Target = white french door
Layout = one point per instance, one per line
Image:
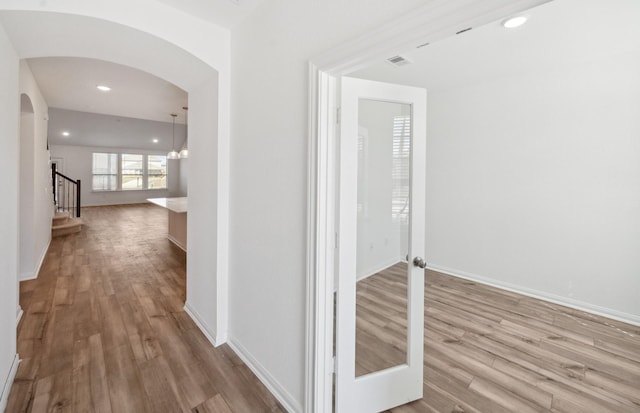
(380, 283)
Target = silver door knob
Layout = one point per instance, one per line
(419, 262)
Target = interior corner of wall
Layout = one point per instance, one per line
(208, 332)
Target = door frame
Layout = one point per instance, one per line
(435, 21)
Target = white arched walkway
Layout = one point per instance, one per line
(181, 49)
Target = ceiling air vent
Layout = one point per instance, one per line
(399, 61)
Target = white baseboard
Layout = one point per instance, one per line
(208, 333)
(33, 275)
(177, 244)
(6, 388)
(288, 402)
(383, 266)
(19, 313)
(541, 295)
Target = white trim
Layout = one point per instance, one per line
(208, 333)
(34, 275)
(287, 400)
(19, 314)
(320, 243)
(541, 295)
(175, 241)
(6, 388)
(434, 21)
(310, 310)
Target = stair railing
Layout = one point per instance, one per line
(66, 192)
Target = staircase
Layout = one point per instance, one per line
(66, 200)
(63, 224)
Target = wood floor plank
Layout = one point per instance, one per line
(98, 376)
(81, 377)
(195, 386)
(613, 385)
(58, 343)
(126, 391)
(54, 393)
(113, 331)
(161, 388)
(216, 404)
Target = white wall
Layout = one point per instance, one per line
(78, 163)
(533, 183)
(183, 180)
(9, 156)
(206, 277)
(269, 171)
(41, 198)
(27, 225)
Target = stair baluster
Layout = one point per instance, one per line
(66, 192)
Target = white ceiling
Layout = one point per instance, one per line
(557, 34)
(87, 129)
(225, 13)
(70, 83)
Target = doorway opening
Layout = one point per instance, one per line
(427, 25)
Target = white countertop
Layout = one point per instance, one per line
(173, 204)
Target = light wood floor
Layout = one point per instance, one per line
(104, 328)
(104, 331)
(488, 350)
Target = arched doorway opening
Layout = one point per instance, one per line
(44, 34)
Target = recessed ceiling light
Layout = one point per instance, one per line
(155, 140)
(513, 22)
(65, 133)
(103, 88)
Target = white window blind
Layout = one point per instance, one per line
(400, 169)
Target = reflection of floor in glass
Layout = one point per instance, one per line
(381, 320)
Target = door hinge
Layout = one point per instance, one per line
(338, 115)
(336, 241)
(333, 365)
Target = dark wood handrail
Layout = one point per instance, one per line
(66, 177)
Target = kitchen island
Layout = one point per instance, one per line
(177, 209)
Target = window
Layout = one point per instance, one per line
(127, 172)
(400, 173)
(132, 172)
(105, 171)
(157, 172)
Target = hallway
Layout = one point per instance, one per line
(104, 328)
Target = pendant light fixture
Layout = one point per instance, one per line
(184, 153)
(173, 154)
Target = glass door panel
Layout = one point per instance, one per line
(383, 211)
